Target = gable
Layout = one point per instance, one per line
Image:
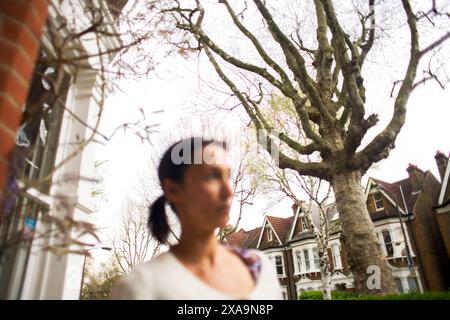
(298, 226)
(393, 194)
(264, 241)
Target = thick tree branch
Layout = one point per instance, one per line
(315, 169)
(264, 55)
(203, 38)
(381, 145)
(296, 63)
(352, 81)
(324, 57)
(294, 145)
(285, 87)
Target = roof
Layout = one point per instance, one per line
(245, 239)
(393, 191)
(303, 235)
(249, 239)
(252, 239)
(237, 238)
(282, 226)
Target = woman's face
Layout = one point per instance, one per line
(204, 198)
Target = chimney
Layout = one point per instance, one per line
(416, 176)
(441, 161)
(294, 208)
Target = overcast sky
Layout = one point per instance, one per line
(177, 89)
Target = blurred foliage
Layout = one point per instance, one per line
(97, 286)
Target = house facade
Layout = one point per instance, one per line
(406, 222)
(55, 121)
(442, 208)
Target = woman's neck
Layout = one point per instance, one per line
(197, 248)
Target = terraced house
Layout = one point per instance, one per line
(411, 219)
(50, 96)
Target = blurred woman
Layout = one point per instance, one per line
(195, 180)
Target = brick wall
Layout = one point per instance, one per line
(429, 244)
(289, 269)
(443, 221)
(21, 26)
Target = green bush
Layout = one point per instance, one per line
(347, 295)
(410, 296)
(335, 295)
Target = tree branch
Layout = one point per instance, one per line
(296, 63)
(380, 146)
(314, 169)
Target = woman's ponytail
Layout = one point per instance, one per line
(157, 220)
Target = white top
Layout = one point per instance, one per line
(166, 278)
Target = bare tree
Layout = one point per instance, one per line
(312, 186)
(327, 88)
(318, 196)
(244, 192)
(133, 244)
(318, 193)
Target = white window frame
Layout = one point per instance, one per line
(269, 233)
(304, 223)
(377, 201)
(316, 258)
(299, 262)
(388, 243)
(336, 253)
(399, 283)
(277, 265)
(307, 260)
(407, 280)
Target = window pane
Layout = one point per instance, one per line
(304, 224)
(316, 259)
(412, 284)
(398, 282)
(41, 121)
(279, 264)
(336, 256)
(269, 233)
(388, 243)
(378, 200)
(306, 255)
(299, 261)
(14, 259)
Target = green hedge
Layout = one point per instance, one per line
(346, 295)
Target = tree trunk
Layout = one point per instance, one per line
(326, 283)
(370, 269)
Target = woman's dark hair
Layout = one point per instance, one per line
(173, 165)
